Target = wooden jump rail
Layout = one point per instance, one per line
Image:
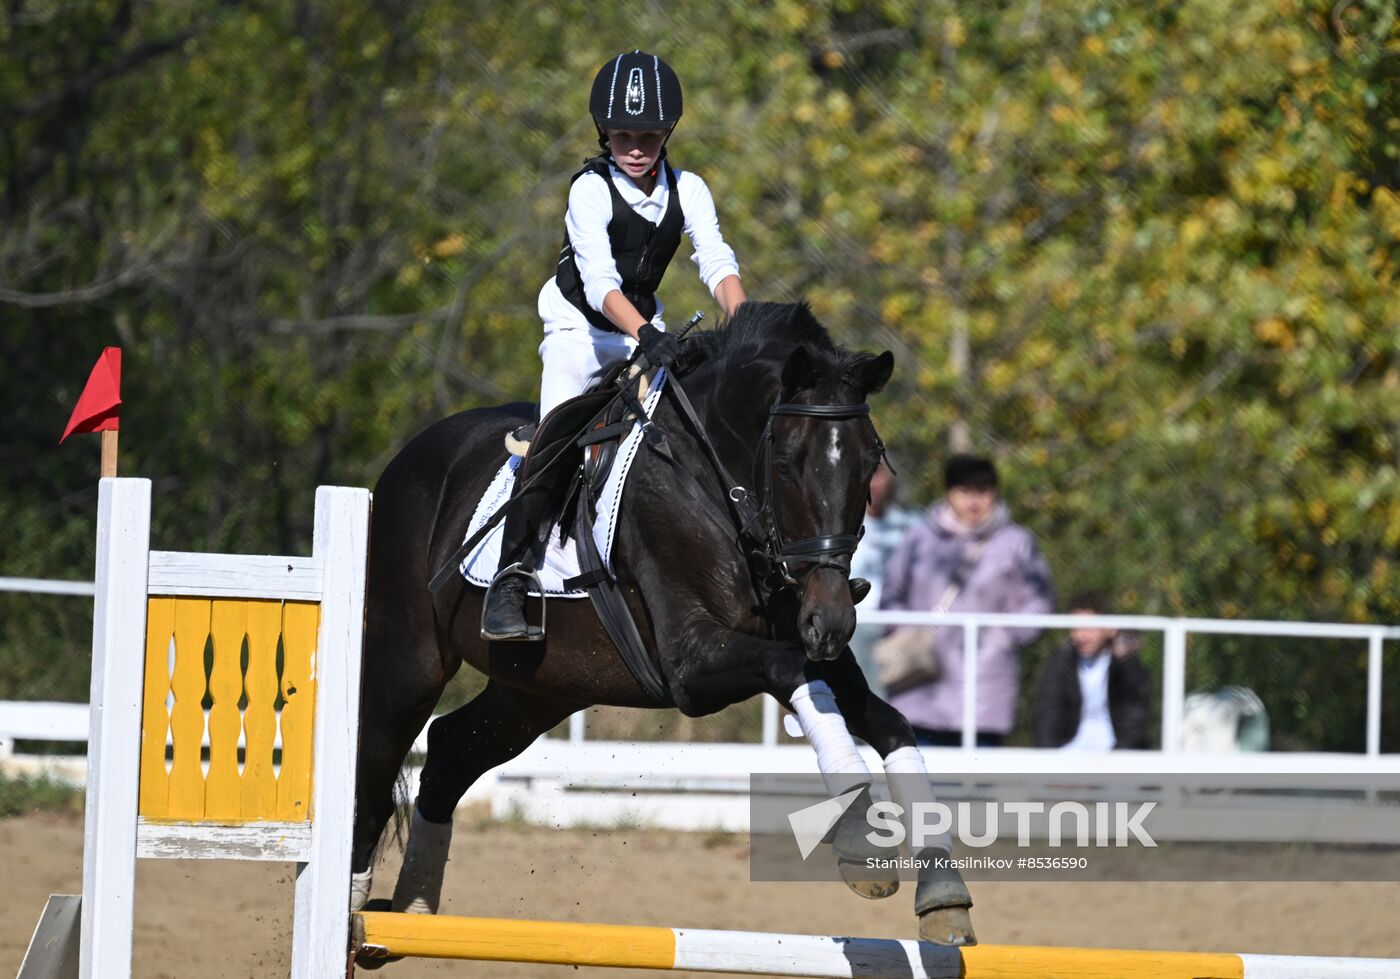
(383, 934)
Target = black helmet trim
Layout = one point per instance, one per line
(636, 91)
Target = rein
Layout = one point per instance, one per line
(760, 522)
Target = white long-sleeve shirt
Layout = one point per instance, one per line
(590, 211)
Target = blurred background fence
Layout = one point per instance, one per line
(1319, 693)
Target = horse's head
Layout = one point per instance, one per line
(821, 450)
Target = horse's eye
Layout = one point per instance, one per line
(785, 469)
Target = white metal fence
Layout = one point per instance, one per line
(1175, 632)
(47, 586)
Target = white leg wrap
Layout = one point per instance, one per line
(909, 784)
(839, 759)
(419, 888)
(359, 889)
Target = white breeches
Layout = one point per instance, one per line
(572, 355)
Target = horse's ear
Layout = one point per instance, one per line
(799, 373)
(871, 372)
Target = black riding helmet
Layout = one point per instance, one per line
(635, 91)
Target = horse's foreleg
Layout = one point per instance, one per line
(831, 700)
(941, 900)
(723, 667)
(844, 771)
(462, 746)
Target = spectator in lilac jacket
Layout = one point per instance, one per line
(968, 556)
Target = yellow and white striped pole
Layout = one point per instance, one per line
(383, 934)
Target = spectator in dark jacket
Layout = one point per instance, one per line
(1094, 692)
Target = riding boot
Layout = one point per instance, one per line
(503, 618)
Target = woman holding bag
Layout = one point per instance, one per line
(967, 556)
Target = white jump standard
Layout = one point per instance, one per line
(161, 609)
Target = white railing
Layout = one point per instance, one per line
(47, 586)
(1175, 635)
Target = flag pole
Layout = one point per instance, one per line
(109, 453)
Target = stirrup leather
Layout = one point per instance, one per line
(518, 568)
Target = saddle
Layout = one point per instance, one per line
(596, 420)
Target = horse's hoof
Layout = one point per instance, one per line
(854, 852)
(947, 926)
(860, 878)
(419, 887)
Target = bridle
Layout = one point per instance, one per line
(759, 522)
(825, 551)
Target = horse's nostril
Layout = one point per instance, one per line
(815, 625)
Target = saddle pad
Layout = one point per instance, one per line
(560, 560)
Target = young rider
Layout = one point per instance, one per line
(627, 209)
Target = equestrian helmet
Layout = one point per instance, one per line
(635, 91)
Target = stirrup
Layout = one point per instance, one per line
(516, 569)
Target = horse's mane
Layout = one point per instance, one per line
(771, 331)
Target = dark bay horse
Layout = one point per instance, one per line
(718, 634)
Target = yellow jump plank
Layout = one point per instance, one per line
(505, 940)
(758, 953)
(155, 719)
(187, 716)
(260, 713)
(299, 625)
(1021, 962)
(222, 791)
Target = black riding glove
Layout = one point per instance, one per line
(660, 349)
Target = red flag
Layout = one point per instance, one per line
(97, 406)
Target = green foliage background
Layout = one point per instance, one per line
(1143, 253)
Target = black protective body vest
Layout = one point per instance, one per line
(642, 250)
